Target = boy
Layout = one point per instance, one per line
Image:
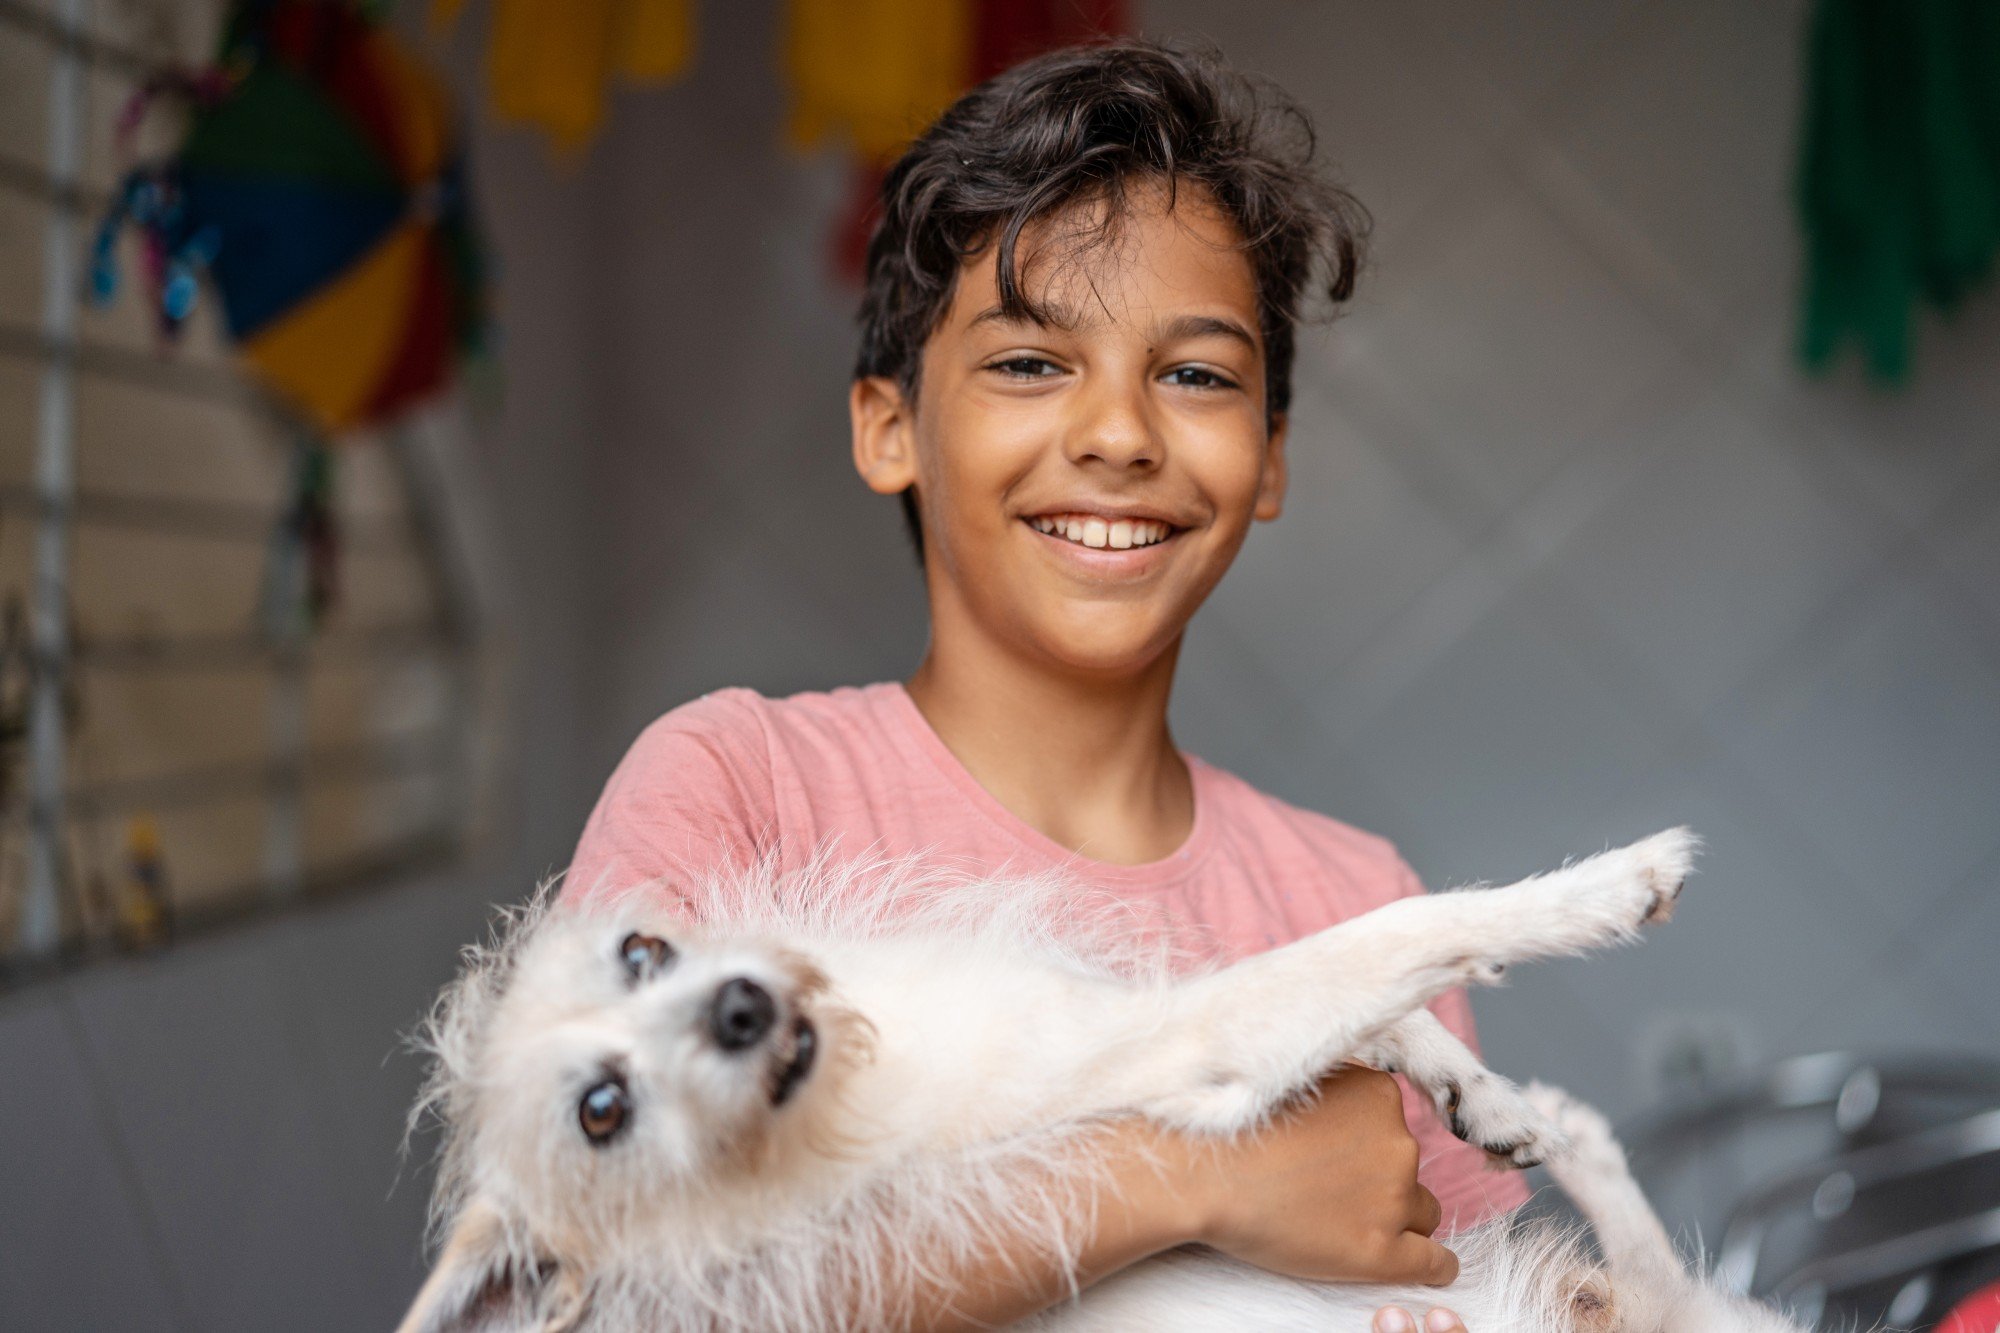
(1076, 351)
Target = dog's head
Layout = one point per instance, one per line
(603, 1074)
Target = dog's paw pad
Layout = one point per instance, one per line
(1662, 864)
(1493, 1115)
(1477, 971)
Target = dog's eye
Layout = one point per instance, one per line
(643, 955)
(604, 1111)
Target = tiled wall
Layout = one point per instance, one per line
(1572, 553)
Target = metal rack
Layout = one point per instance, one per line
(56, 806)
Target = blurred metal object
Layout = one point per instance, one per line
(1829, 1188)
(1891, 1206)
(55, 482)
(1914, 1257)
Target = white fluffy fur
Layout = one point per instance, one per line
(972, 1035)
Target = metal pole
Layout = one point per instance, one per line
(55, 482)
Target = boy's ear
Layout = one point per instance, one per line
(482, 1285)
(1271, 486)
(884, 448)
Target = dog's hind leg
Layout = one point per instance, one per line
(1597, 1178)
(1236, 1043)
(1485, 1109)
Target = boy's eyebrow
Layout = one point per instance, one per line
(1206, 326)
(1181, 328)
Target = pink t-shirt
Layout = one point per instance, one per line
(733, 775)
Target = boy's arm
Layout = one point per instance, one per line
(1327, 1192)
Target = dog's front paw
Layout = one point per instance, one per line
(1493, 1115)
(1660, 866)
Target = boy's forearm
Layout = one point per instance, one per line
(1142, 1211)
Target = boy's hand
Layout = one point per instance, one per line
(1327, 1192)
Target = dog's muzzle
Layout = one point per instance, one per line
(741, 1014)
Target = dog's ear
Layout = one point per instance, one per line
(484, 1284)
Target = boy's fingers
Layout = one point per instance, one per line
(1426, 1213)
(1420, 1259)
(1395, 1320)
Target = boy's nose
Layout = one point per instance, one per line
(1116, 428)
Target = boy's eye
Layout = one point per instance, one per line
(1198, 377)
(1025, 368)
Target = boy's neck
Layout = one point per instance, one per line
(1087, 761)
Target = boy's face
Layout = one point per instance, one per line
(1085, 483)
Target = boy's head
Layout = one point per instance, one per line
(1038, 246)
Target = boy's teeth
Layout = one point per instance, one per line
(1097, 533)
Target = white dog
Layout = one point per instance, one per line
(775, 1116)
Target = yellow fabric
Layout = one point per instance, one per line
(547, 65)
(550, 60)
(327, 354)
(655, 39)
(876, 71)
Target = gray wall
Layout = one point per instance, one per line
(1573, 553)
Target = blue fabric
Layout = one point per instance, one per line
(280, 240)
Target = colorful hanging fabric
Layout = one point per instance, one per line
(1899, 179)
(1006, 32)
(550, 62)
(874, 73)
(322, 186)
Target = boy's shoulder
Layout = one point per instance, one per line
(816, 732)
(739, 712)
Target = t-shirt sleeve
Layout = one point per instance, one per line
(1469, 1189)
(694, 794)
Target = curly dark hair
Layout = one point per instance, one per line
(1085, 125)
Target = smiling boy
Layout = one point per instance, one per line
(1076, 356)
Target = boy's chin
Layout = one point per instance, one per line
(1107, 650)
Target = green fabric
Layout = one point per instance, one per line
(277, 124)
(1899, 174)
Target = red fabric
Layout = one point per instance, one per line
(1006, 32)
(422, 361)
(857, 221)
(1977, 1313)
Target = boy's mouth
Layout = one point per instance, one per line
(1101, 533)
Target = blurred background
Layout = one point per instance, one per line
(333, 593)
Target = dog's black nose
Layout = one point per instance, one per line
(742, 1013)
